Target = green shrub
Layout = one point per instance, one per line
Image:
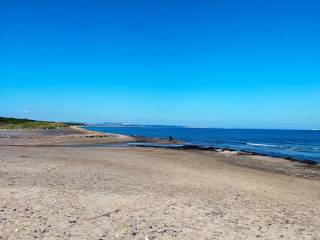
(16, 123)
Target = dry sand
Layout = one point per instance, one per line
(50, 191)
(64, 136)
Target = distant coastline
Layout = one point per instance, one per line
(112, 124)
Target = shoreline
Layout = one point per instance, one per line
(102, 139)
(148, 142)
(160, 143)
(240, 152)
(78, 138)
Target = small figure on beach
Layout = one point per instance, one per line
(170, 138)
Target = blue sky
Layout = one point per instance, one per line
(242, 64)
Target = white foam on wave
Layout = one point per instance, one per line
(262, 145)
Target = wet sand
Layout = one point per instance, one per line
(50, 190)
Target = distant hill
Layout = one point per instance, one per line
(18, 123)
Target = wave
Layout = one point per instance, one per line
(262, 145)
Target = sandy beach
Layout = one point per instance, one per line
(57, 184)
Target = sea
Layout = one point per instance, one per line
(300, 145)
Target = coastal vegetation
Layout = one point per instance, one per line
(18, 123)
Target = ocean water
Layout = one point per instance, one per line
(301, 145)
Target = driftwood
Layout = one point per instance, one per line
(108, 214)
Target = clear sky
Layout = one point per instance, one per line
(218, 63)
